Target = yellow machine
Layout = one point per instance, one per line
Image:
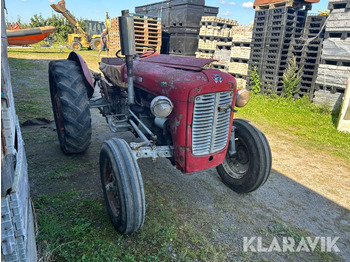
(326, 12)
(89, 39)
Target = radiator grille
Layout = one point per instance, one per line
(210, 126)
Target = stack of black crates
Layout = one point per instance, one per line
(273, 34)
(307, 51)
(180, 23)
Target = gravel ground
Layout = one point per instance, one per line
(285, 206)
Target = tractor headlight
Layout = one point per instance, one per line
(242, 97)
(161, 106)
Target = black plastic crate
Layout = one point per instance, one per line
(258, 30)
(256, 51)
(155, 6)
(189, 2)
(257, 45)
(163, 12)
(211, 10)
(183, 44)
(260, 35)
(306, 78)
(184, 30)
(273, 40)
(260, 24)
(261, 13)
(271, 78)
(186, 16)
(165, 43)
(310, 72)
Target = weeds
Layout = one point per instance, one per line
(291, 77)
(255, 85)
(313, 126)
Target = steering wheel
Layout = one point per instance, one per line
(144, 55)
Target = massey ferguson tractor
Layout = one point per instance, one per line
(177, 107)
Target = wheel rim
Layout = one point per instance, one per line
(76, 46)
(111, 188)
(97, 45)
(238, 165)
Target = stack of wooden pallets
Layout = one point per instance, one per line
(223, 39)
(114, 37)
(148, 34)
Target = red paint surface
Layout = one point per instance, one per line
(181, 86)
(76, 57)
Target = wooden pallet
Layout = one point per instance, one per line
(287, 3)
(147, 30)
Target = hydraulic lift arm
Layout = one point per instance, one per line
(61, 8)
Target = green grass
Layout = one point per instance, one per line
(76, 227)
(54, 53)
(298, 121)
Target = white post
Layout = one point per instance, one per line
(344, 116)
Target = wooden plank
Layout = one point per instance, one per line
(240, 52)
(333, 76)
(336, 49)
(238, 68)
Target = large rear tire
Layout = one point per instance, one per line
(250, 167)
(70, 105)
(122, 186)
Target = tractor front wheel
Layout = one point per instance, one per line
(70, 104)
(95, 44)
(250, 167)
(122, 186)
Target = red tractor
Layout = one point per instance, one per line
(175, 106)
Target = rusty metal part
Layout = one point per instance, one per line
(103, 89)
(81, 62)
(153, 136)
(151, 152)
(118, 123)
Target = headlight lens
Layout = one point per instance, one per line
(161, 106)
(242, 97)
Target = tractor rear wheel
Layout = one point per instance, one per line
(95, 44)
(250, 167)
(75, 46)
(70, 105)
(122, 186)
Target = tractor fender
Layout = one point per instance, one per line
(81, 62)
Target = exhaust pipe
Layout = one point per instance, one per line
(127, 39)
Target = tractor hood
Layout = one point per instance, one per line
(179, 77)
